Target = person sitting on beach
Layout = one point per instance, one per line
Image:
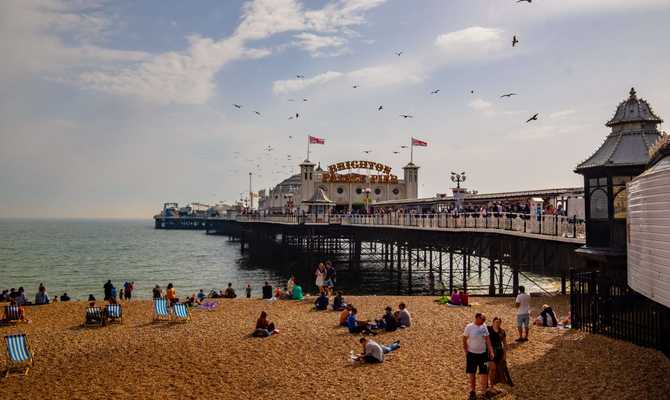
(65, 297)
(171, 294)
(455, 299)
(464, 297)
(321, 303)
(344, 315)
(404, 317)
(41, 297)
(278, 293)
(373, 352)
(546, 317)
(388, 322)
(356, 326)
(201, 296)
(230, 292)
(338, 302)
(91, 297)
(267, 291)
(157, 292)
(289, 285)
(264, 328)
(297, 292)
(4, 296)
(21, 299)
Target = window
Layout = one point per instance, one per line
(396, 191)
(359, 190)
(599, 204)
(340, 190)
(620, 204)
(378, 191)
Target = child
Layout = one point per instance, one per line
(248, 289)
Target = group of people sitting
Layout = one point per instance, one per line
(321, 303)
(389, 321)
(13, 312)
(41, 297)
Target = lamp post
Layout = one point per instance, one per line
(367, 199)
(458, 178)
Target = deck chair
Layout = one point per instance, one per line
(12, 315)
(94, 317)
(161, 312)
(114, 313)
(181, 312)
(19, 356)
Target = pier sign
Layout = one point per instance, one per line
(333, 176)
(346, 165)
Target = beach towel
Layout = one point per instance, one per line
(161, 312)
(19, 356)
(94, 316)
(208, 306)
(114, 312)
(181, 312)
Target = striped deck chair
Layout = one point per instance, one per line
(181, 312)
(19, 356)
(12, 315)
(161, 312)
(114, 313)
(94, 317)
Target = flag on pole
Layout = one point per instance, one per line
(316, 140)
(417, 142)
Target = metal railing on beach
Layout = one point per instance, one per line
(544, 225)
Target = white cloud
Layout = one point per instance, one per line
(296, 85)
(319, 46)
(470, 43)
(479, 104)
(340, 14)
(562, 113)
(386, 75)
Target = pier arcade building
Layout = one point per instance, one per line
(345, 185)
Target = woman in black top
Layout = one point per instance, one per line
(498, 367)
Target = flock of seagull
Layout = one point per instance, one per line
(258, 161)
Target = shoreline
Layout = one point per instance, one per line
(215, 356)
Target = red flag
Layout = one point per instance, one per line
(417, 142)
(316, 140)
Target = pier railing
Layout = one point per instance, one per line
(545, 225)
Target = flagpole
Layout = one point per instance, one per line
(308, 147)
(411, 151)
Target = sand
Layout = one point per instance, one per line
(214, 356)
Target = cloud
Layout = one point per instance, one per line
(296, 85)
(546, 131)
(386, 75)
(340, 14)
(316, 45)
(562, 113)
(470, 43)
(479, 104)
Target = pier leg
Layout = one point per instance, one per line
(440, 274)
(409, 269)
(492, 277)
(451, 271)
(466, 267)
(479, 271)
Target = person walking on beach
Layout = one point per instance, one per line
(522, 314)
(128, 289)
(478, 351)
(321, 278)
(248, 291)
(331, 276)
(108, 289)
(498, 371)
(171, 294)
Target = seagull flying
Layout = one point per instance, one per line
(508, 95)
(436, 91)
(396, 152)
(367, 151)
(300, 76)
(304, 99)
(237, 106)
(514, 41)
(404, 147)
(521, 1)
(406, 116)
(533, 118)
(398, 53)
(297, 115)
(355, 86)
(257, 113)
(380, 108)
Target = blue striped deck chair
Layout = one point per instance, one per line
(180, 312)
(12, 315)
(114, 313)
(19, 356)
(161, 312)
(94, 317)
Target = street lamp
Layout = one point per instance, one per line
(458, 178)
(367, 199)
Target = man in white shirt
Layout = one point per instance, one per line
(476, 342)
(373, 352)
(523, 314)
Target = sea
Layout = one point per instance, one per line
(77, 257)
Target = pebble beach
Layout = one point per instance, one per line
(214, 356)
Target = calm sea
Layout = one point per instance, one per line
(78, 256)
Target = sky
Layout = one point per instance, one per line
(108, 109)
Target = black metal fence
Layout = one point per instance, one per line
(605, 305)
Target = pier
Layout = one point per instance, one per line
(420, 253)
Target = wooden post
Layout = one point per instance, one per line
(492, 276)
(479, 266)
(440, 274)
